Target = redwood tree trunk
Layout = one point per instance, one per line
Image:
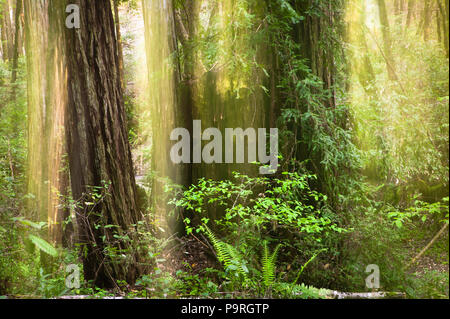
(47, 101)
(36, 47)
(56, 101)
(98, 145)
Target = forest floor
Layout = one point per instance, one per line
(436, 258)
(193, 256)
(431, 263)
(189, 254)
(431, 271)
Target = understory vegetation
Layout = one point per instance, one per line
(363, 178)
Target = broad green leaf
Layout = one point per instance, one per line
(30, 223)
(43, 245)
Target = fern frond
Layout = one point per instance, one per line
(228, 255)
(269, 264)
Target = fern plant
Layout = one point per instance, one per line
(268, 264)
(234, 262)
(236, 265)
(229, 256)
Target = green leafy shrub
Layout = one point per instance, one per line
(260, 204)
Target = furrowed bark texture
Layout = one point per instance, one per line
(56, 101)
(98, 145)
(47, 100)
(36, 45)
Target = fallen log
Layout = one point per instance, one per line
(366, 295)
(329, 295)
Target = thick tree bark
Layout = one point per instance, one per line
(55, 146)
(98, 147)
(36, 45)
(47, 100)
